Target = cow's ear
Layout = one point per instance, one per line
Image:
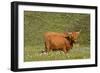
(79, 32)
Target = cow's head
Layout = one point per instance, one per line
(73, 36)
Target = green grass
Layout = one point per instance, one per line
(37, 23)
(34, 54)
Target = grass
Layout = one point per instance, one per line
(34, 54)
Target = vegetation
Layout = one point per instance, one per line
(37, 23)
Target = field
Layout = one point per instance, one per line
(37, 23)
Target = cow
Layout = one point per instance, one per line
(47, 34)
(57, 43)
(60, 41)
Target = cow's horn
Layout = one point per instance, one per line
(70, 33)
(80, 30)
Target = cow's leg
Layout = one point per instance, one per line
(68, 49)
(47, 47)
(64, 50)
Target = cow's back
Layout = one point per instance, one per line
(47, 34)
